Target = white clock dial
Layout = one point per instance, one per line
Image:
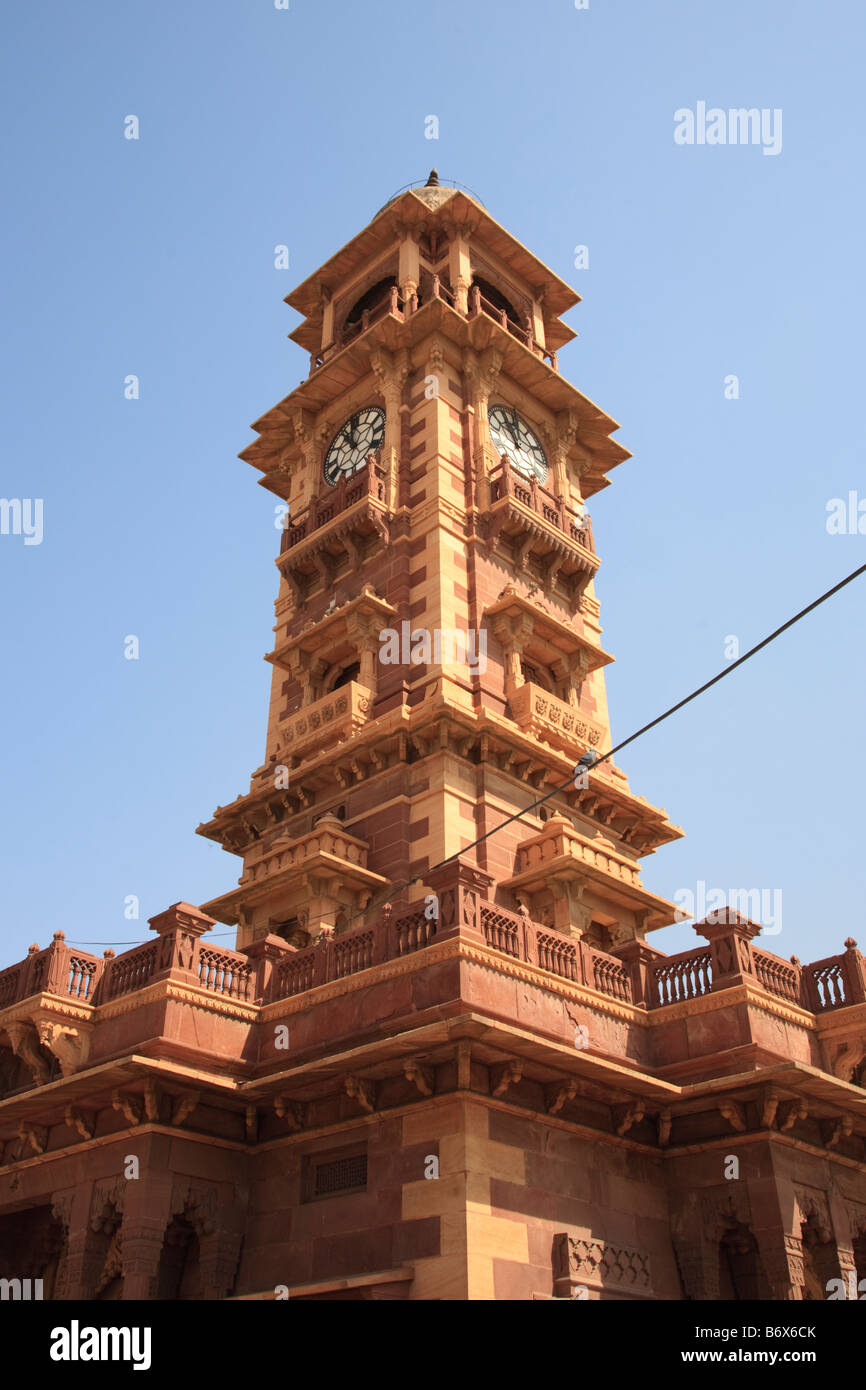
(513, 437)
(361, 435)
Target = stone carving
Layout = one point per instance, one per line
(128, 1106)
(69, 1045)
(25, 1044)
(508, 1074)
(292, 1111)
(558, 1095)
(731, 1111)
(361, 1091)
(34, 1137)
(625, 1116)
(587, 1261)
(82, 1121)
(422, 1076)
(183, 1106)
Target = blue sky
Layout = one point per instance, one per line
(156, 257)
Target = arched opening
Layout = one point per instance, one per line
(536, 675)
(741, 1274)
(179, 1275)
(820, 1261)
(32, 1246)
(348, 673)
(495, 298)
(370, 299)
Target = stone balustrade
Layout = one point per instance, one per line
(327, 721)
(535, 711)
(326, 837)
(559, 841)
(270, 969)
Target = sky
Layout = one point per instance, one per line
(154, 258)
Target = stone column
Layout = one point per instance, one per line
(481, 371)
(391, 370)
(147, 1212)
(460, 888)
(776, 1227)
(730, 937)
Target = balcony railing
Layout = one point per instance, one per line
(367, 482)
(505, 481)
(393, 303)
(255, 977)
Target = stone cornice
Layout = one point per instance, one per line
(172, 989)
(727, 998)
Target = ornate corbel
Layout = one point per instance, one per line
(81, 1120)
(626, 1116)
(768, 1109)
(25, 1044)
(732, 1111)
(422, 1077)
(664, 1121)
(69, 1045)
(127, 1105)
(506, 1075)
(797, 1110)
(292, 1111)
(362, 1091)
(834, 1130)
(183, 1106)
(558, 1094)
(34, 1137)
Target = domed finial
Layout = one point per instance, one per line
(433, 181)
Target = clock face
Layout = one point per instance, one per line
(512, 436)
(360, 436)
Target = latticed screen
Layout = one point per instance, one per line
(341, 1175)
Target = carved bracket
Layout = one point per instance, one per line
(508, 1074)
(733, 1112)
(34, 1137)
(81, 1120)
(422, 1076)
(292, 1111)
(558, 1094)
(128, 1106)
(364, 1092)
(625, 1116)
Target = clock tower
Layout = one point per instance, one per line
(437, 663)
(446, 1059)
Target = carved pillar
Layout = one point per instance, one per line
(179, 928)
(391, 370)
(481, 372)
(146, 1215)
(307, 436)
(327, 317)
(776, 1226)
(514, 633)
(730, 937)
(459, 266)
(640, 958)
(363, 631)
(408, 266)
(460, 887)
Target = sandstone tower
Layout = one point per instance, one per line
(445, 1059)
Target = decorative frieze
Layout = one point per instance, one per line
(597, 1264)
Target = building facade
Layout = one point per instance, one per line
(445, 1059)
